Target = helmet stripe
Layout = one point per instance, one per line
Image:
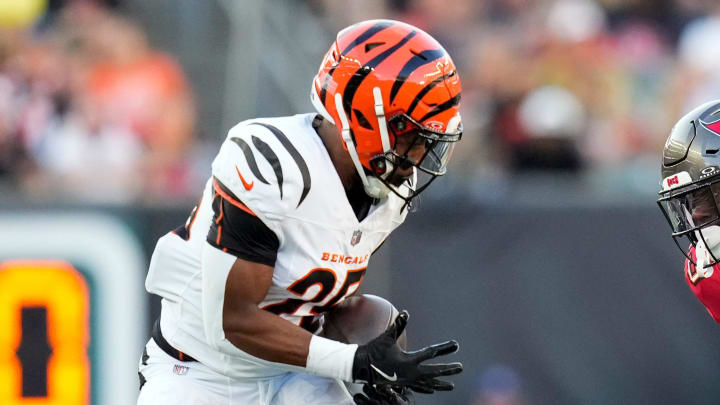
(359, 40)
(367, 35)
(427, 89)
(362, 73)
(418, 60)
(378, 59)
(323, 90)
(442, 107)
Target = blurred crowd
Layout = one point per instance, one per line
(89, 110)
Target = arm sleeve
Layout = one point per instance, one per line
(235, 229)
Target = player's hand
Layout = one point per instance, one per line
(384, 395)
(382, 362)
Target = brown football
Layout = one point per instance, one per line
(361, 318)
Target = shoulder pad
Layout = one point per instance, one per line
(263, 168)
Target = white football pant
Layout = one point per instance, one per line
(173, 382)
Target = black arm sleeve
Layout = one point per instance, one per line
(241, 234)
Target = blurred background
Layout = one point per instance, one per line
(543, 251)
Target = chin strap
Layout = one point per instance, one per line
(373, 186)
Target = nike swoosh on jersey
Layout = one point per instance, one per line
(387, 377)
(248, 186)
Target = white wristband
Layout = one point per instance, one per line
(330, 358)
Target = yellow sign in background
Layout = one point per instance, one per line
(63, 292)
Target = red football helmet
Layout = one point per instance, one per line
(381, 79)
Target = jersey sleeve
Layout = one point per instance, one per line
(236, 230)
(258, 164)
(705, 285)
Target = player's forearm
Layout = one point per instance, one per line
(269, 337)
(232, 289)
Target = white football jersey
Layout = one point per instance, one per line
(279, 168)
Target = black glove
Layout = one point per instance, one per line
(382, 362)
(384, 395)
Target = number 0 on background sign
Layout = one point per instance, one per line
(58, 291)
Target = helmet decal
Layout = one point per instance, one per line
(709, 171)
(714, 127)
(436, 125)
(676, 180)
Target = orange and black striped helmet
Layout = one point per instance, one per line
(382, 78)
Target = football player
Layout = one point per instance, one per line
(286, 226)
(689, 197)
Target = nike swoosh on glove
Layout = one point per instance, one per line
(384, 395)
(382, 362)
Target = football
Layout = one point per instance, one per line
(360, 319)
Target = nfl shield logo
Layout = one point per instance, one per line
(356, 237)
(180, 370)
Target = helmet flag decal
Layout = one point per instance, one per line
(676, 180)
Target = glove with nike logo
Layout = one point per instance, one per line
(384, 395)
(382, 362)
